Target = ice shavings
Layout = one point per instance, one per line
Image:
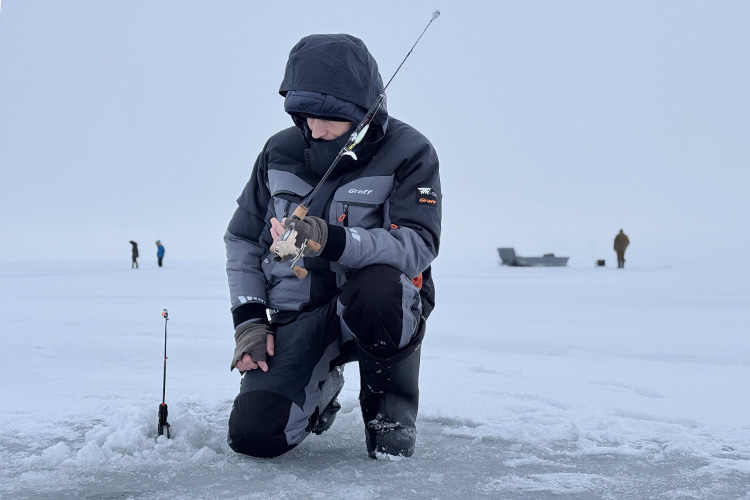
(556, 483)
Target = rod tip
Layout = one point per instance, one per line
(435, 14)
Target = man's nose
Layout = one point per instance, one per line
(317, 128)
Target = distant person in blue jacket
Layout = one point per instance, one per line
(159, 252)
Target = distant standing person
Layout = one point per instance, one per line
(135, 255)
(621, 243)
(159, 252)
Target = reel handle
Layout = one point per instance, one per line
(298, 271)
(300, 213)
(313, 245)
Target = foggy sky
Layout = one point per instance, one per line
(556, 123)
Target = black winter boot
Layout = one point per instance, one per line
(329, 393)
(389, 398)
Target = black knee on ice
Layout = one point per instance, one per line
(373, 310)
(256, 424)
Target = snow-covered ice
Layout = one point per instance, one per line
(574, 382)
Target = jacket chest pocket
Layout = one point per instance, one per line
(284, 203)
(353, 214)
(287, 192)
(361, 203)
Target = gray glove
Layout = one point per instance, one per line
(309, 228)
(250, 338)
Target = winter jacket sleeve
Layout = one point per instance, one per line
(247, 241)
(413, 215)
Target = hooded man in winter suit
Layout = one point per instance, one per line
(368, 289)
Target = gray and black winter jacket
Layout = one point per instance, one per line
(383, 208)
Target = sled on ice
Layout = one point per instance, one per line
(509, 258)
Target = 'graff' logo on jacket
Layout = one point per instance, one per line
(360, 191)
(426, 196)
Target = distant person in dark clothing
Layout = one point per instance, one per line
(135, 255)
(159, 252)
(621, 243)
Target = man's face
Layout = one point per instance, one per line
(327, 129)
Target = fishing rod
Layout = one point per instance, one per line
(347, 150)
(163, 412)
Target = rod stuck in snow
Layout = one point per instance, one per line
(163, 412)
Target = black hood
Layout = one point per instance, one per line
(336, 65)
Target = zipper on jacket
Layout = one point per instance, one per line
(286, 210)
(345, 216)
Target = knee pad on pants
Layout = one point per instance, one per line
(257, 423)
(381, 308)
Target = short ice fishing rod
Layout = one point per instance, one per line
(163, 424)
(347, 150)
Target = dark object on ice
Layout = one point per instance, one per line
(509, 258)
(600, 263)
(163, 424)
(163, 411)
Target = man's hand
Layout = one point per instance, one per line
(253, 342)
(309, 228)
(277, 229)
